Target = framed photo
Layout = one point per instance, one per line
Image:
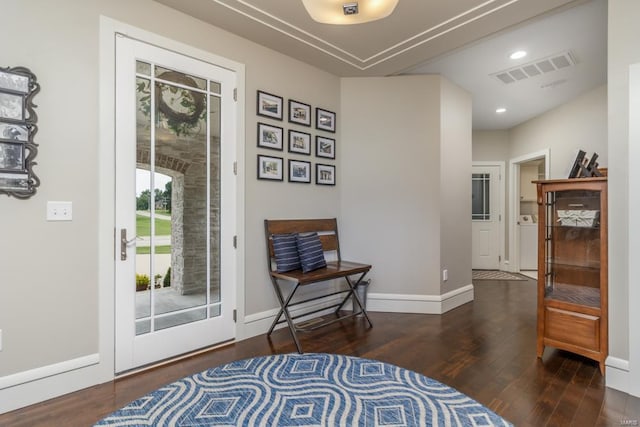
(325, 120)
(14, 82)
(270, 136)
(269, 105)
(299, 113)
(14, 132)
(270, 168)
(11, 106)
(299, 171)
(325, 147)
(299, 142)
(12, 157)
(325, 174)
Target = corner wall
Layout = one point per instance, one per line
(399, 136)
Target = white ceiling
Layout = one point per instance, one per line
(464, 40)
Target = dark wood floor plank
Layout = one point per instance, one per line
(485, 349)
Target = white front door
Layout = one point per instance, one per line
(175, 204)
(485, 217)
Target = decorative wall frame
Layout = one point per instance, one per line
(270, 168)
(325, 174)
(270, 136)
(325, 147)
(18, 86)
(325, 120)
(299, 142)
(269, 105)
(299, 113)
(299, 171)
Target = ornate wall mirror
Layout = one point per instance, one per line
(18, 128)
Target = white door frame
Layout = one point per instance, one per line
(501, 206)
(513, 264)
(107, 249)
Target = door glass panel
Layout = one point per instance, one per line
(177, 199)
(214, 197)
(480, 206)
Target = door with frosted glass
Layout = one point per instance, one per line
(175, 204)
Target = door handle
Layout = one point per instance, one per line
(124, 243)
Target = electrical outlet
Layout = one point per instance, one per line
(445, 275)
(59, 211)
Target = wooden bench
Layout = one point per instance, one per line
(327, 230)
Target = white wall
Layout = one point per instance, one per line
(578, 124)
(455, 186)
(623, 370)
(407, 144)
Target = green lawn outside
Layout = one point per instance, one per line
(145, 250)
(143, 226)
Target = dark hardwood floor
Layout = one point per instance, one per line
(485, 349)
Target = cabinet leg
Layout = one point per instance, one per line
(602, 367)
(540, 350)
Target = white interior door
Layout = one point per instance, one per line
(175, 204)
(485, 217)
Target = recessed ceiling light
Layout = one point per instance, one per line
(518, 54)
(501, 110)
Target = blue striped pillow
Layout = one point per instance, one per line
(310, 251)
(285, 251)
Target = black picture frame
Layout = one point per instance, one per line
(325, 120)
(325, 174)
(270, 168)
(270, 137)
(269, 105)
(325, 147)
(299, 171)
(299, 142)
(299, 113)
(577, 165)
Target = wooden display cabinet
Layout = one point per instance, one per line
(572, 267)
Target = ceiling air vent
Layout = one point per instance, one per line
(536, 68)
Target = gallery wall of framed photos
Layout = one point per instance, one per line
(18, 127)
(298, 139)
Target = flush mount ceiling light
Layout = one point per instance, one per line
(501, 110)
(518, 54)
(341, 12)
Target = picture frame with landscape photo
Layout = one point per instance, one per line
(270, 136)
(325, 174)
(12, 157)
(325, 147)
(299, 171)
(299, 113)
(299, 142)
(325, 120)
(270, 168)
(269, 105)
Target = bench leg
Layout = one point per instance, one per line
(284, 304)
(354, 294)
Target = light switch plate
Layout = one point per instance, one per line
(59, 211)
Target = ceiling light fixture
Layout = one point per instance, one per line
(501, 110)
(518, 54)
(341, 12)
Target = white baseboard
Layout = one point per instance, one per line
(259, 323)
(619, 376)
(40, 384)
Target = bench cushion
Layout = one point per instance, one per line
(310, 252)
(285, 251)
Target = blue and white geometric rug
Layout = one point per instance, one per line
(305, 390)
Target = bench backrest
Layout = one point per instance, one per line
(327, 230)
